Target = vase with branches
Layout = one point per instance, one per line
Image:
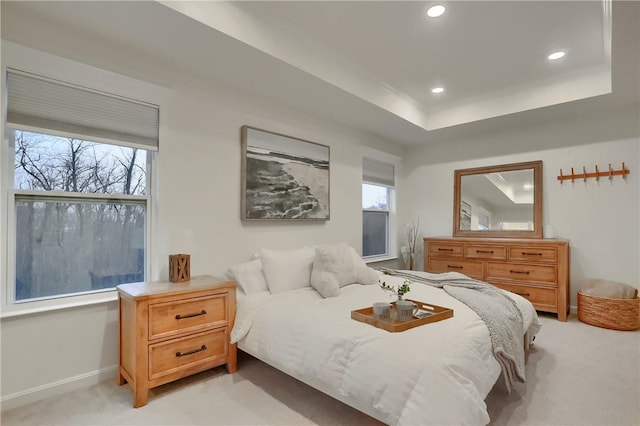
(413, 229)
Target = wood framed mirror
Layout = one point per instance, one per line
(503, 201)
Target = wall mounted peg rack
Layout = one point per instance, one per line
(610, 173)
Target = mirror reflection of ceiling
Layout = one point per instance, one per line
(516, 185)
(501, 190)
(367, 64)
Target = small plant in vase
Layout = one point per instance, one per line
(400, 291)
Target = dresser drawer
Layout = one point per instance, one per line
(467, 267)
(181, 316)
(445, 249)
(542, 298)
(533, 254)
(181, 354)
(485, 252)
(522, 272)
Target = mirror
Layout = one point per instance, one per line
(498, 201)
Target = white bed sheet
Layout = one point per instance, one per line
(438, 373)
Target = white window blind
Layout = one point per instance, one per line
(378, 172)
(41, 104)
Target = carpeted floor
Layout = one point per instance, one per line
(576, 375)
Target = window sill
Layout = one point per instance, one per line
(29, 308)
(374, 259)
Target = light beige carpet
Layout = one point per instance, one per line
(576, 375)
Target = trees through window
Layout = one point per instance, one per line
(80, 215)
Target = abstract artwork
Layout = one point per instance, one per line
(283, 177)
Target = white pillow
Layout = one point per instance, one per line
(364, 274)
(367, 276)
(249, 276)
(337, 265)
(287, 269)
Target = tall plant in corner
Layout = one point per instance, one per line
(412, 240)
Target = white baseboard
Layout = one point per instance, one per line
(29, 396)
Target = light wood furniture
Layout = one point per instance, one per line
(169, 331)
(438, 313)
(179, 268)
(537, 269)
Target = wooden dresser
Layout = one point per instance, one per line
(537, 269)
(169, 331)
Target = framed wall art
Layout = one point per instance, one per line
(283, 177)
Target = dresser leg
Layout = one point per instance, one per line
(121, 379)
(140, 397)
(562, 316)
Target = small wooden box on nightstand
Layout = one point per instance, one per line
(169, 331)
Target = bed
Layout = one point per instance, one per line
(438, 373)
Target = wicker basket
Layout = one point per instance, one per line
(615, 314)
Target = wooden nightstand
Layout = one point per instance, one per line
(169, 331)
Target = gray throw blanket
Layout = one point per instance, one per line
(497, 310)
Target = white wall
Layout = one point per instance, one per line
(196, 211)
(199, 186)
(600, 219)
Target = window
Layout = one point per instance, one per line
(377, 207)
(80, 188)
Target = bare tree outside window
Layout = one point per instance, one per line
(79, 225)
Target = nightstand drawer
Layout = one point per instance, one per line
(470, 268)
(522, 272)
(181, 316)
(181, 354)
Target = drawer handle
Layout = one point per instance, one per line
(444, 249)
(484, 251)
(455, 267)
(191, 352)
(524, 253)
(197, 314)
(519, 272)
(522, 294)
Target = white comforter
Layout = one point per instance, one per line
(437, 373)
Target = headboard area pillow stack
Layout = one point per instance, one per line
(287, 269)
(337, 265)
(326, 268)
(249, 277)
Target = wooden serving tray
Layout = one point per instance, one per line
(439, 313)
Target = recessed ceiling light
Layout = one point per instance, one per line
(435, 11)
(556, 55)
(437, 90)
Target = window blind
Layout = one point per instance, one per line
(40, 104)
(377, 172)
